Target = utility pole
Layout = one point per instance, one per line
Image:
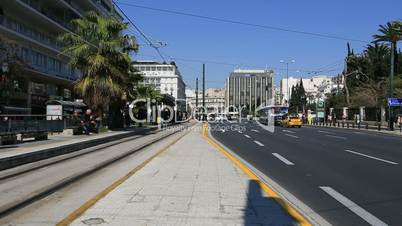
(203, 89)
(391, 87)
(287, 77)
(196, 93)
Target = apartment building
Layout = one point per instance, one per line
(34, 26)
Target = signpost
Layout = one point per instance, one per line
(320, 109)
(395, 102)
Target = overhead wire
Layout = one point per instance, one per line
(231, 21)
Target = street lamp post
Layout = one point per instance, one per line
(287, 76)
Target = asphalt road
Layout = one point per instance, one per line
(348, 177)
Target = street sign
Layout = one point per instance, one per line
(395, 102)
(321, 104)
(320, 114)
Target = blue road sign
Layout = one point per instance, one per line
(395, 102)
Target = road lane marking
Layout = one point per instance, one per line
(372, 157)
(368, 217)
(337, 137)
(288, 131)
(289, 135)
(283, 159)
(239, 131)
(259, 143)
(327, 132)
(254, 130)
(247, 136)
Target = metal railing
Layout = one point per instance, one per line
(29, 32)
(47, 13)
(359, 125)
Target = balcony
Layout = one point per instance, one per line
(75, 7)
(102, 7)
(68, 74)
(34, 5)
(26, 31)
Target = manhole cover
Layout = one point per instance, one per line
(93, 221)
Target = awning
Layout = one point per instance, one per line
(66, 103)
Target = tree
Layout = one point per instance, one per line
(99, 49)
(298, 99)
(392, 33)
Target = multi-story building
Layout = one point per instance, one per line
(34, 26)
(214, 99)
(316, 85)
(249, 89)
(277, 96)
(165, 77)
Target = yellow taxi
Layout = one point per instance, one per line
(291, 121)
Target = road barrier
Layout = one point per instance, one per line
(350, 124)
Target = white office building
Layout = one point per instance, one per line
(250, 88)
(214, 99)
(314, 86)
(165, 77)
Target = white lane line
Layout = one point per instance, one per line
(372, 157)
(259, 143)
(247, 136)
(239, 131)
(337, 137)
(287, 131)
(323, 131)
(368, 217)
(254, 130)
(291, 136)
(283, 159)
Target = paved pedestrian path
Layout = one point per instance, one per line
(190, 183)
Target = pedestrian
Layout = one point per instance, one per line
(87, 121)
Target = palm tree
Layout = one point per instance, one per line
(149, 93)
(100, 50)
(391, 32)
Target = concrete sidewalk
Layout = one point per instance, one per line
(190, 183)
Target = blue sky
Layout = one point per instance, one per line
(209, 41)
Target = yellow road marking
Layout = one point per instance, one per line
(295, 214)
(81, 210)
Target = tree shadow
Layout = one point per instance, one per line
(261, 210)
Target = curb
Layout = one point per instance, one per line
(287, 207)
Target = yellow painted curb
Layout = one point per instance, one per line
(81, 210)
(295, 214)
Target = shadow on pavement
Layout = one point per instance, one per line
(262, 210)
